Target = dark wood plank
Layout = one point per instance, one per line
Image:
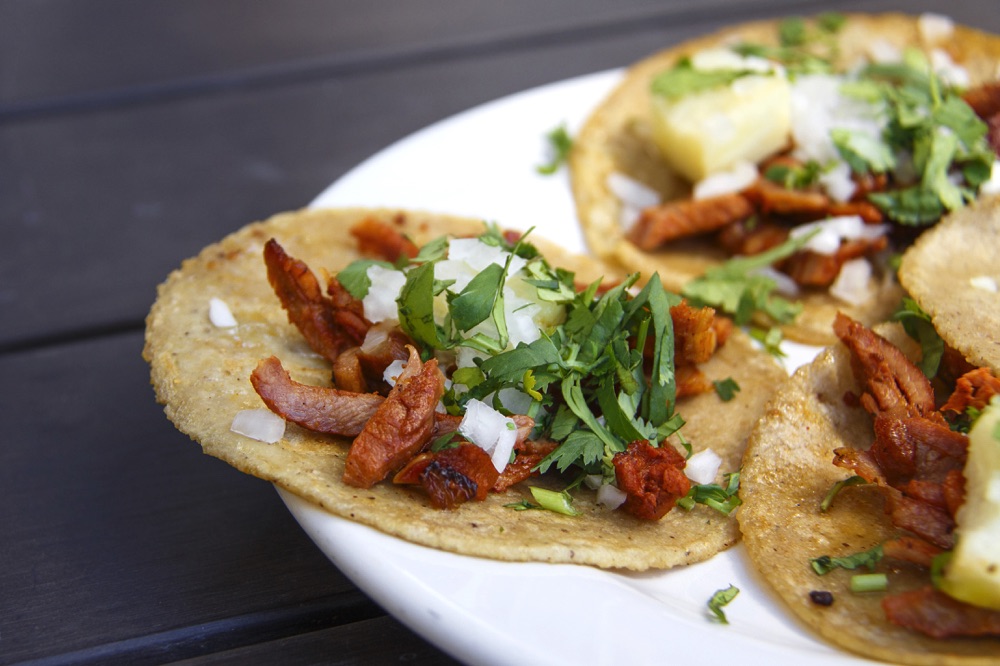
(377, 642)
(115, 526)
(64, 50)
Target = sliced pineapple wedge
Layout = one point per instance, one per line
(706, 131)
(973, 573)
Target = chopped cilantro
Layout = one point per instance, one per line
(354, 278)
(720, 599)
(869, 558)
(683, 79)
(835, 489)
(723, 499)
(739, 289)
(726, 388)
(918, 326)
(560, 143)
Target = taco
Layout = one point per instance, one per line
(253, 360)
(861, 467)
(753, 138)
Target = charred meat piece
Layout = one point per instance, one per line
(313, 313)
(892, 383)
(400, 427)
(661, 224)
(451, 476)
(317, 408)
(935, 614)
(381, 239)
(652, 478)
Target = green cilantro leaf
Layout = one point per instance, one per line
(683, 79)
(918, 326)
(720, 599)
(726, 388)
(869, 558)
(354, 277)
(560, 143)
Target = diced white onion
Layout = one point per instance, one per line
(489, 430)
(851, 285)
(835, 229)
(741, 176)
(219, 314)
(784, 284)
(818, 107)
(610, 496)
(593, 481)
(725, 58)
(992, 186)
(984, 282)
(935, 28)
(393, 371)
(260, 424)
(884, 51)
(950, 71)
(380, 301)
(633, 196)
(375, 336)
(478, 255)
(703, 466)
(838, 182)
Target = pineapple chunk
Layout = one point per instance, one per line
(708, 131)
(973, 573)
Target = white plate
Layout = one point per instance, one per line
(481, 163)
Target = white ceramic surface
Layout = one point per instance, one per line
(481, 163)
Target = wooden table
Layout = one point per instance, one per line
(131, 135)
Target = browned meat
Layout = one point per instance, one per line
(661, 224)
(984, 99)
(811, 269)
(347, 375)
(695, 338)
(745, 238)
(935, 614)
(652, 478)
(769, 198)
(381, 239)
(451, 476)
(528, 454)
(861, 462)
(866, 210)
(911, 549)
(314, 314)
(348, 312)
(318, 408)
(929, 522)
(973, 389)
(400, 427)
(892, 383)
(916, 448)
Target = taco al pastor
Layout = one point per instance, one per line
(861, 468)
(859, 129)
(575, 382)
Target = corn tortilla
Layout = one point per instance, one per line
(788, 466)
(200, 373)
(617, 138)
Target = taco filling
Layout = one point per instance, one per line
(918, 460)
(830, 143)
(470, 364)
(776, 141)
